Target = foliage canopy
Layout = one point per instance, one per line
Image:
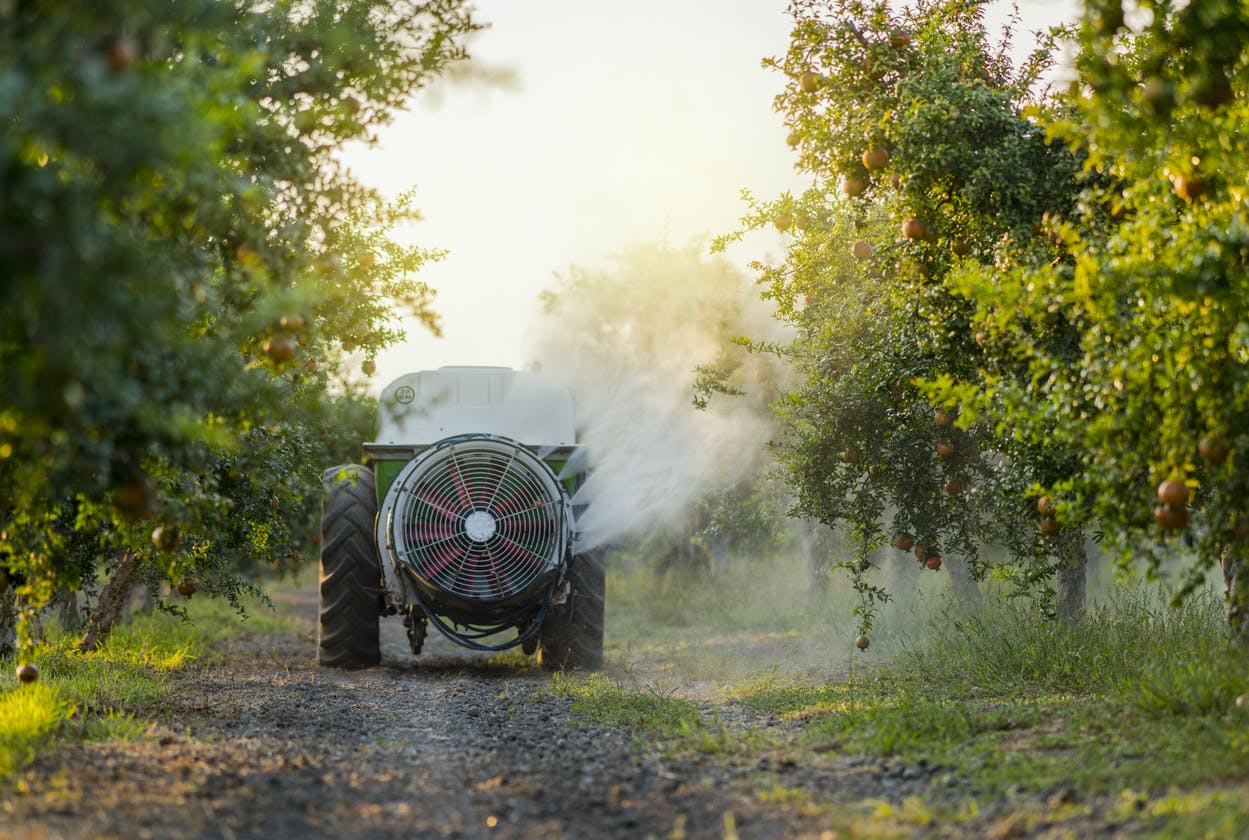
(184, 263)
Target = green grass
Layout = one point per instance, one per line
(28, 719)
(652, 715)
(1135, 697)
(749, 617)
(751, 596)
(113, 692)
(1135, 640)
(1133, 706)
(646, 709)
(646, 712)
(755, 615)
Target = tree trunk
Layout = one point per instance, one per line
(8, 621)
(111, 603)
(817, 556)
(1070, 580)
(965, 589)
(141, 599)
(718, 552)
(68, 613)
(902, 575)
(1236, 591)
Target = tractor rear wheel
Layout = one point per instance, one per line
(572, 635)
(347, 634)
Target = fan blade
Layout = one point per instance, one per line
(461, 486)
(435, 500)
(428, 532)
(440, 559)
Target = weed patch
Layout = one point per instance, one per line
(647, 710)
(29, 716)
(1137, 696)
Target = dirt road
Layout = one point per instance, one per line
(263, 743)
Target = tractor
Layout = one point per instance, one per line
(466, 520)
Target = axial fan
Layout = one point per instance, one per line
(477, 522)
(463, 522)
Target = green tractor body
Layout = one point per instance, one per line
(466, 521)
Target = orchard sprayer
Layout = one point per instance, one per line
(463, 520)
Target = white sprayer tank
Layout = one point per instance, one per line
(427, 406)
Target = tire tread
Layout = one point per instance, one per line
(347, 630)
(575, 641)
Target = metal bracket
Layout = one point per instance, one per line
(417, 626)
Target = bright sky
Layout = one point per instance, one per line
(625, 123)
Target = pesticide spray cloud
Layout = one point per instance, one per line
(627, 341)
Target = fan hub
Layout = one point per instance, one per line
(480, 526)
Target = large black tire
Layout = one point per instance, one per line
(571, 637)
(347, 634)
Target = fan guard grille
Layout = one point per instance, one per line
(480, 520)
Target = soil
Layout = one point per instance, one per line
(261, 742)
